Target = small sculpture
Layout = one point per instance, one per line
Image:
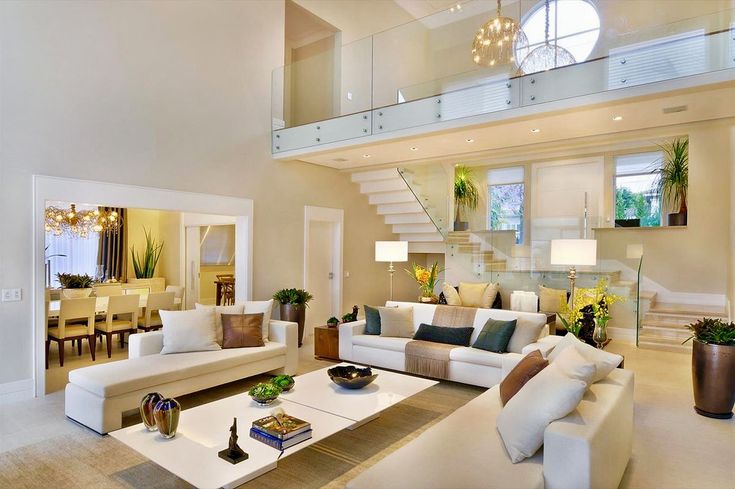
(233, 454)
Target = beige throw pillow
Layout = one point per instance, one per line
(218, 312)
(396, 321)
(605, 362)
(550, 300)
(265, 307)
(488, 297)
(472, 294)
(526, 332)
(192, 330)
(451, 295)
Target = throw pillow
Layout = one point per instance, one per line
(471, 293)
(218, 312)
(605, 362)
(526, 332)
(451, 296)
(265, 307)
(192, 330)
(550, 300)
(488, 296)
(372, 320)
(396, 321)
(242, 330)
(495, 335)
(442, 334)
(550, 395)
(526, 369)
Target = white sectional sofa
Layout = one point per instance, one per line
(588, 449)
(97, 396)
(466, 364)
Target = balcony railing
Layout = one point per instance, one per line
(421, 74)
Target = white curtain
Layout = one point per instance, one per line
(81, 255)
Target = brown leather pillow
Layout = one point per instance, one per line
(529, 366)
(242, 330)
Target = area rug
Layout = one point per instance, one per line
(89, 460)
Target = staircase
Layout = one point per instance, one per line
(401, 209)
(663, 326)
(485, 260)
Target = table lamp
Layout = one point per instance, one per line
(391, 251)
(573, 252)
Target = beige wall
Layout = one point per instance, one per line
(164, 227)
(172, 95)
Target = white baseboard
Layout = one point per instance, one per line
(16, 391)
(623, 335)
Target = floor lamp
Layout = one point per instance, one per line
(573, 253)
(389, 252)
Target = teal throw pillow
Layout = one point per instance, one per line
(372, 320)
(495, 336)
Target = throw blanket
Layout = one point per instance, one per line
(432, 359)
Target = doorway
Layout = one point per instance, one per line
(323, 228)
(210, 263)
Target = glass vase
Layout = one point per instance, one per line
(147, 405)
(166, 413)
(599, 335)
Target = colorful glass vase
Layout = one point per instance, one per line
(166, 413)
(147, 404)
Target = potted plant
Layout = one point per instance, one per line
(332, 322)
(426, 279)
(713, 367)
(75, 286)
(589, 313)
(145, 266)
(293, 307)
(466, 195)
(672, 179)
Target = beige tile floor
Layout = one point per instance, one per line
(673, 447)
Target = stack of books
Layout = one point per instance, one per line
(280, 432)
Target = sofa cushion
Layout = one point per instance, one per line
(265, 307)
(551, 300)
(242, 330)
(444, 334)
(381, 342)
(495, 335)
(471, 454)
(605, 362)
(478, 294)
(218, 312)
(526, 369)
(451, 296)
(372, 320)
(118, 378)
(467, 354)
(396, 322)
(526, 332)
(187, 331)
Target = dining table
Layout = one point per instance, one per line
(100, 305)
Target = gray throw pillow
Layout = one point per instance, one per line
(396, 321)
(526, 333)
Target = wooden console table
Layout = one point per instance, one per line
(326, 342)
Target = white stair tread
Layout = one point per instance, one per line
(414, 228)
(373, 175)
(688, 310)
(407, 208)
(409, 218)
(396, 197)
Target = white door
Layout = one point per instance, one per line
(321, 279)
(193, 260)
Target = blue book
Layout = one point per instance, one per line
(277, 443)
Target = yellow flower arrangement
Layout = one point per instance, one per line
(425, 277)
(599, 299)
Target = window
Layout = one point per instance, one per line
(576, 28)
(80, 255)
(637, 203)
(506, 192)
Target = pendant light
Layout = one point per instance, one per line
(496, 41)
(546, 56)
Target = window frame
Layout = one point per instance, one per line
(523, 229)
(615, 177)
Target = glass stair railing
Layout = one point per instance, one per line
(428, 183)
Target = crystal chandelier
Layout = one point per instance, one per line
(80, 224)
(546, 56)
(497, 40)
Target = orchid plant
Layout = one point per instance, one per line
(596, 301)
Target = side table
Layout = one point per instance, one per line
(326, 342)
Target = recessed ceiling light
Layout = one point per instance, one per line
(413, 148)
(535, 130)
(470, 140)
(618, 118)
(366, 155)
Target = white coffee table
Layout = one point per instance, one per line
(204, 430)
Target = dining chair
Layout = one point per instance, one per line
(178, 294)
(151, 320)
(106, 290)
(73, 309)
(119, 306)
(136, 289)
(226, 286)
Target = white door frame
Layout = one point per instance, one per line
(47, 188)
(336, 216)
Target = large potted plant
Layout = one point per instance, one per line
(75, 286)
(144, 266)
(672, 179)
(713, 367)
(466, 195)
(293, 307)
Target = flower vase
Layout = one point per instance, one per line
(166, 413)
(147, 405)
(599, 335)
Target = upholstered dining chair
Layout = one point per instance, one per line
(136, 290)
(106, 290)
(121, 318)
(226, 286)
(151, 320)
(73, 309)
(178, 294)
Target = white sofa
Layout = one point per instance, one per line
(466, 364)
(588, 449)
(97, 396)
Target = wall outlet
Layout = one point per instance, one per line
(11, 295)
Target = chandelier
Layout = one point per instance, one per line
(80, 224)
(497, 40)
(546, 56)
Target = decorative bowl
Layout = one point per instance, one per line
(265, 393)
(285, 382)
(351, 377)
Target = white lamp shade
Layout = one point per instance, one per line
(573, 252)
(634, 251)
(391, 251)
